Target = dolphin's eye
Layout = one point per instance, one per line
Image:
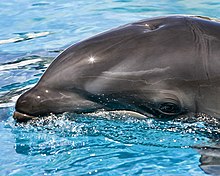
(169, 108)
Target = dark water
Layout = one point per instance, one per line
(32, 33)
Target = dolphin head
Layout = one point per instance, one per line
(159, 67)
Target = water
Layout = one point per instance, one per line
(32, 33)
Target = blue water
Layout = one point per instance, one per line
(32, 33)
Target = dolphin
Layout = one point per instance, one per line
(210, 159)
(162, 67)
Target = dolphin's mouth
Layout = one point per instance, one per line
(20, 117)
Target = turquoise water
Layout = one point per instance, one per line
(32, 33)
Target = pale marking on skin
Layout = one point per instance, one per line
(112, 78)
(146, 83)
(136, 80)
(136, 73)
(63, 95)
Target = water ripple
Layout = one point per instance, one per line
(24, 36)
(85, 145)
(21, 74)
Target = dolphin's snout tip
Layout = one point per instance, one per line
(20, 117)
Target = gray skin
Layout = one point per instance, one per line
(210, 159)
(160, 67)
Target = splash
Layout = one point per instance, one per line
(126, 129)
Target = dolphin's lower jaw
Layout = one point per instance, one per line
(21, 117)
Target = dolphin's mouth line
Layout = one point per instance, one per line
(21, 117)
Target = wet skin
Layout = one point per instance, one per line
(160, 67)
